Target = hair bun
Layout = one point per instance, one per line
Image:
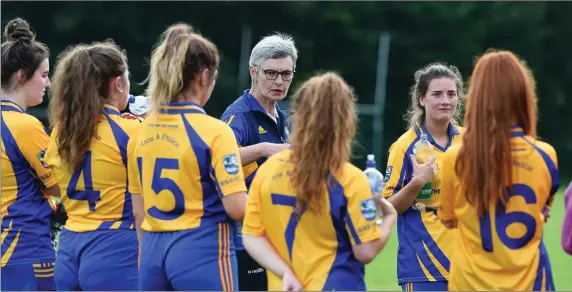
(18, 29)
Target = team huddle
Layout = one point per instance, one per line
(263, 199)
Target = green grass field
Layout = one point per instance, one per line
(381, 274)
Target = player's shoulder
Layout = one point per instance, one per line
(282, 157)
(404, 141)
(128, 125)
(22, 123)
(461, 130)
(215, 124)
(278, 162)
(350, 174)
(209, 127)
(544, 147)
(22, 119)
(453, 150)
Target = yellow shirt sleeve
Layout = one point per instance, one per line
(448, 191)
(130, 126)
(361, 211)
(226, 164)
(34, 149)
(133, 174)
(253, 224)
(552, 165)
(394, 174)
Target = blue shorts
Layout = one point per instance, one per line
(28, 277)
(97, 260)
(425, 286)
(197, 259)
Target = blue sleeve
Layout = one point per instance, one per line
(239, 127)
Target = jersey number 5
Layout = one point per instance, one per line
(504, 219)
(159, 184)
(88, 194)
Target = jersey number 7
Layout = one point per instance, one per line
(284, 200)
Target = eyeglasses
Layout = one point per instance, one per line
(273, 74)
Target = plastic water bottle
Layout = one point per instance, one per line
(423, 152)
(138, 105)
(376, 182)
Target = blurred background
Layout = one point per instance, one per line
(375, 46)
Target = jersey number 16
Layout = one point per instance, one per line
(504, 220)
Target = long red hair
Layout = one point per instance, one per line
(501, 94)
(324, 125)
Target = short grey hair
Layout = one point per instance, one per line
(274, 46)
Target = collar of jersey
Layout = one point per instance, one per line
(420, 128)
(255, 106)
(111, 110)
(8, 105)
(182, 108)
(516, 131)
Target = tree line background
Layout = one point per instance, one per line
(339, 36)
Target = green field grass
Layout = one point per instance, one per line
(381, 274)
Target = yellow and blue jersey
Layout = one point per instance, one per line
(503, 250)
(425, 246)
(184, 162)
(26, 229)
(95, 195)
(318, 247)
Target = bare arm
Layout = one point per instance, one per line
(53, 191)
(235, 205)
(264, 253)
(139, 213)
(422, 174)
(405, 197)
(252, 153)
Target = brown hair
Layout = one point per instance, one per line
(501, 93)
(20, 51)
(80, 89)
(324, 125)
(180, 55)
(423, 77)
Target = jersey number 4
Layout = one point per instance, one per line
(504, 220)
(88, 194)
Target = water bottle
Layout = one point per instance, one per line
(376, 182)
(423, 152)
(138, 105)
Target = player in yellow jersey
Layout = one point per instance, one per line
(310, 218)
(425, 246)
(28, 252)
(88, 155)
(185, 173)
(497, 183)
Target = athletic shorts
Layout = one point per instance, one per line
(97, 260)
(251, 275)
(28, 277)
(197, 259)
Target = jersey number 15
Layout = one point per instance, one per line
(160, 183)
